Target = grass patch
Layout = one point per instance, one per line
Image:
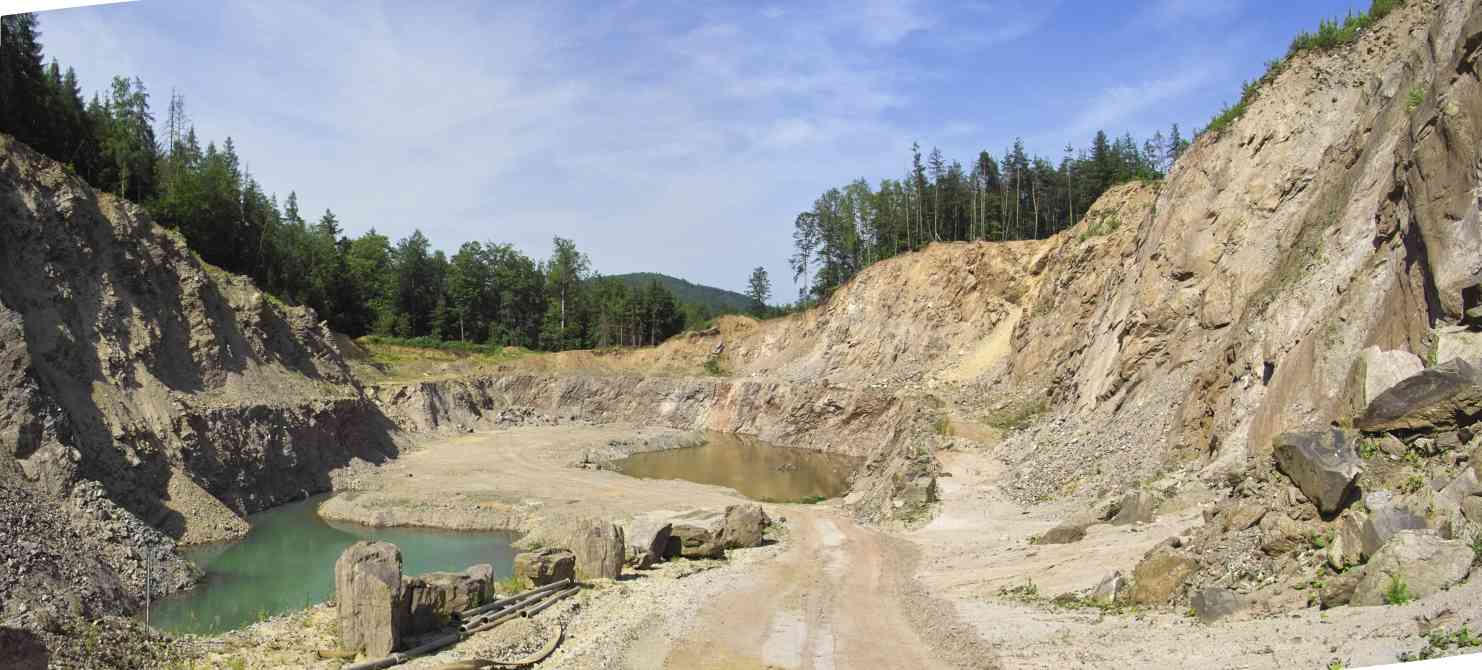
(1026, 592)
(942, 425)
(1398, 592)
(1368, 448)
(713, 367)
(1017, 416)
(1476, 543)
(1412, 484)
(1438, 641)
(512, 584)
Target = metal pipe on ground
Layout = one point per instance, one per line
(553, 586)
(541, 607)
(540, 600)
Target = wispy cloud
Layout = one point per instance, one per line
(680, 138)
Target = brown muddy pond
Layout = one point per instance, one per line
(753, 468)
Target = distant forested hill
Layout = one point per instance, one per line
(717, 300)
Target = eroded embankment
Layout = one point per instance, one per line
(890, 435)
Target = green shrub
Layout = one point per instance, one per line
(1476, 547)
(1398, 592)
(1415, 99)
(713, 367)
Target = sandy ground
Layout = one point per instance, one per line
(506, 479)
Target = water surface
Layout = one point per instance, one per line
(287, 563)
(753, 468)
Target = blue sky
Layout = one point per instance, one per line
(676, 137)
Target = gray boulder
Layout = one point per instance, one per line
(1136, 507)
(429, 601)
(1433, 400)
(1110, 589)
(648, 541)
(1384, 369)
(368, 590)
(1424, 562)
(1213, 604)
(545, 566)
(1384, 522)
(1322, 463)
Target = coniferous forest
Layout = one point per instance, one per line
(490, 292)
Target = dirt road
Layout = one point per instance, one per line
(830, 601)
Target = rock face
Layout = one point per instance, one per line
(1322, 464)
(368, 592)
(1384, 369)
(1425, 563)
(1459, 342)
(545, 566)
(597, 544)
(1339, 588)
(1160, 575)
(429, 601)
(1434, 399)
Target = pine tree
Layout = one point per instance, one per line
(759, 289)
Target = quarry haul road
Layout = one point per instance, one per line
(829, 601)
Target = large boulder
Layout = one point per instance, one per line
(1424, 562)
(1213, 604)
(1322, 463)
(1436, 399)
(368, 591)
(744, 526)
(545, 566)
(1346, 546)
(598, 544)
(697, 535)
(1160, 575)
(648, 541)
(1136, 507)
(1385, 520)
(1384, 369)
(429, 601)
(1110, 589)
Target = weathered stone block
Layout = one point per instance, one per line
(368, 594)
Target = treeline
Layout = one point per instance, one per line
(1014, 198)
(487, 293)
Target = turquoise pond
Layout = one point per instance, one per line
(287, 563)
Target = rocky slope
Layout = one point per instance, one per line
(145, 398)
